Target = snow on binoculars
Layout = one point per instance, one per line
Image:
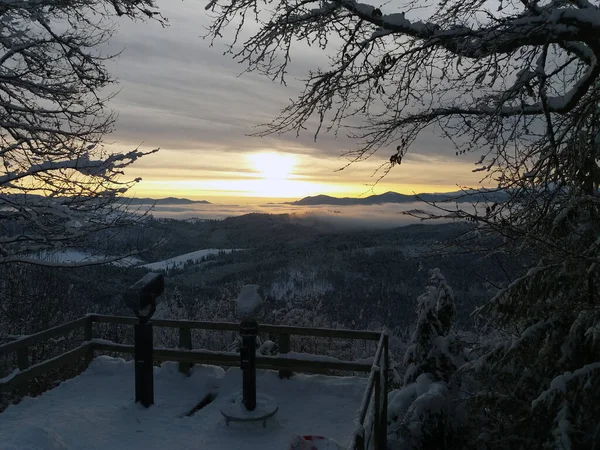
(141, 296)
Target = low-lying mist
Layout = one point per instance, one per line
(384, 216)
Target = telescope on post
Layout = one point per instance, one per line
(246, 406)
(141, 298)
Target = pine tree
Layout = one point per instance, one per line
(430, 345)
(421, 415)
(538, 379)
(171, 307)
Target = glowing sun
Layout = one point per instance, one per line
(272, 166)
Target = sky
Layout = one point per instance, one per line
(179, 93)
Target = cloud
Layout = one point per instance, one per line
(179, 93)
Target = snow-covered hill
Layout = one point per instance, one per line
(179, 261)
(80, 256)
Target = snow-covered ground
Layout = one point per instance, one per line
(96, 411)
(79, 256)
(179, 261)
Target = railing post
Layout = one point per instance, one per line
(23, 358)
(88, 333)
(185, 341)
(23, 364)
(384, 404)
(144, 368)
(377, 410)
(284, 347)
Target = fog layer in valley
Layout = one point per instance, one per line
(389, 215)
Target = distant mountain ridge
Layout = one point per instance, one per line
(126, 200)
(394, 197)
(161, 201)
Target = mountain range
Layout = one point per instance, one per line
(394, 197)
(161, 201)
(125, 200)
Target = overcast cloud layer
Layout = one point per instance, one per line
(179, 93)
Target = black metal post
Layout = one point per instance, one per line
(144, 369)
(248, 331)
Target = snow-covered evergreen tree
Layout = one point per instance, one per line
(420, 414)
(431, 347)
(538, 378)
(171, 307)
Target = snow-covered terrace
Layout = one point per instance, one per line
(96, 409)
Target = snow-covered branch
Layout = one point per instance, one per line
(548, 25)
(97, 168)
(58, 184)
(517, 86)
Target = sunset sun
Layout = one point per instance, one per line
(276, 178)
(272, 166)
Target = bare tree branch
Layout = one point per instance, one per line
(58, 184)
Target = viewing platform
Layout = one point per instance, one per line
(97, 410)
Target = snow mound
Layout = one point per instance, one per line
(234, 408)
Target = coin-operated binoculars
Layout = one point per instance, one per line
(141, 297)
(245, 407)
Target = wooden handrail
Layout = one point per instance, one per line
(375, 384)
(167, 323)
(233, 359)
(45, 366)
(232, 326)
(42, 335)
(321, 332)
(367, 397)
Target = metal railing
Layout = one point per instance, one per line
(371, 420)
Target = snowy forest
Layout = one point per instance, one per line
(494, 318)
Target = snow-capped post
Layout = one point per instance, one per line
(248, 304)
(247, 406)
(141, 298)
(248, 330)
